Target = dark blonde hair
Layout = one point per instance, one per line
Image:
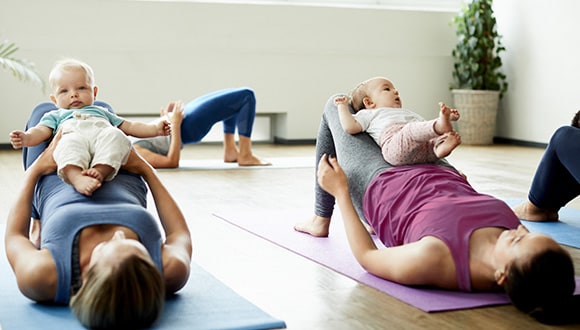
(129, 295)
(68, 64)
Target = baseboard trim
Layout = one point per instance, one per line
(500, 140)
(279, 140)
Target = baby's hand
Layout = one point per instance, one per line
(342, 99)
(18, 139)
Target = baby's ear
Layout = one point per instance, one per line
(368, 103)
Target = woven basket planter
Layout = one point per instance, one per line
(478, 111)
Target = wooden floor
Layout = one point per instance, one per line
(292, 288)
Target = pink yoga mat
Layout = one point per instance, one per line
(334, 253)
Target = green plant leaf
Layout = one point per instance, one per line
(22, 69)
(477, 61)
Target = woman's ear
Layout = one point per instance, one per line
(500, 277)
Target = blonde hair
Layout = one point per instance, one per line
(70, 64)
(129, 295)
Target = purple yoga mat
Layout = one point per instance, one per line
(334, 253)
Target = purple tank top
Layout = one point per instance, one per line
(407, 203)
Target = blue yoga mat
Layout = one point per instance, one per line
(204, 303)
(566, 231)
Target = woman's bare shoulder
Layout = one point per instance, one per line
(36, 277)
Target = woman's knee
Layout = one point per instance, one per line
(565, 133)
(249, 98)
(248, 93)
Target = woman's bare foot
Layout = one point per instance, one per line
(317, 226)
(243, 156)
(528, 211)
(446, 143)
(251, 160)
(233, 156)
(446, 116)
(230, 148)
(230, 154)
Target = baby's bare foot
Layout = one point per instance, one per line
(446, 143)
(85, 184)
(94, 173)
(446, 116)
(317, 226)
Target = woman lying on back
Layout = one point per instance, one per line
(438, 230)
(105, 254)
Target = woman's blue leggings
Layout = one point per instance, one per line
(235, 107)
(557, 179)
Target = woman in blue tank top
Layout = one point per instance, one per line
(92, 249)
(429, 217)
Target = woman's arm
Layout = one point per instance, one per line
(174, 112)
(332, 179)
(410, 264)
(177, 249)
(34, 269)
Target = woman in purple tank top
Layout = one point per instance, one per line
(429, 217)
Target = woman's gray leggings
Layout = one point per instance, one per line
(358, 155)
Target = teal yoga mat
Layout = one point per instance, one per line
(204, 303)
(566, 231)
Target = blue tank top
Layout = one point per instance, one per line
(407, 203)
(64, 212)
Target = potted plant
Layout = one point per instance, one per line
(21, 69)
(478, 83)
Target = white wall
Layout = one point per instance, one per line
(543, 66)
(295, 57)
